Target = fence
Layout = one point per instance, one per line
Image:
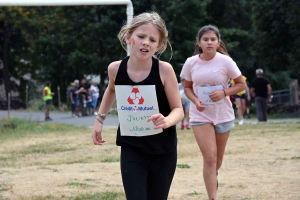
(287, 96)
(281, 96)
(34, 94)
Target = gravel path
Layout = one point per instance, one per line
(111, 120)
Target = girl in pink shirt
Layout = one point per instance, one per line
(206, 77)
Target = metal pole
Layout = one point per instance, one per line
(26, 103)
(58, 96)
(8, 105)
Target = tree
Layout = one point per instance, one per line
(15, 23)
(276, 46)
(183, 19)
(234, 21)
(78, 41)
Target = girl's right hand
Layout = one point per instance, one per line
(97, 133)
(199, 105)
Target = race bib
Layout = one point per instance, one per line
(204, 91)
(135, 104)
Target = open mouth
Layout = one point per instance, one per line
(144, 50)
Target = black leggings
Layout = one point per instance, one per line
(147, 176)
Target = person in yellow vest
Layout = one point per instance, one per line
(240, 100)
(47, 97)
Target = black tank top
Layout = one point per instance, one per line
(160, 143)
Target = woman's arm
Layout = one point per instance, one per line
(189, 92)
(239, 85)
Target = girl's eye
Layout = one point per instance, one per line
(152, 40)
(140, 36)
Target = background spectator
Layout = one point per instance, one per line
(262, 91)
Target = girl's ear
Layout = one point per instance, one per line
(127, 38)
(198, 43)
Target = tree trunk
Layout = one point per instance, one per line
(8, 30)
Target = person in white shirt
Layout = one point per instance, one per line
(95, 95)
(185, 105)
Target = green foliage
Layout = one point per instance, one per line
(184, 166)
(276, 46)
(195, 193)
(77, 184)
(101, 196)
(109, 195)
(37, 105)
(61, 44)
(45, 149)
(14, 128)
(19, 27)
(234, 21)
(110, 159)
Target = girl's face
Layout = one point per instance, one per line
(144, 41)
(209, 42)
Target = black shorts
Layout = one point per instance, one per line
(48, 102)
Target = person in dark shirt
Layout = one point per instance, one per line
(261, 90)
(73, 100)
(148, 163)
(83, 92)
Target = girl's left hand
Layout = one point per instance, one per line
(159, 121)
(217, 95)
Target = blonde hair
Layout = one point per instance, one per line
(146, 18)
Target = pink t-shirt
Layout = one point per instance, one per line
(216, 71)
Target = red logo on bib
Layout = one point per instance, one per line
(135, 97)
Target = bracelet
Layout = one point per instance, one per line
(224, 93)
(102, 115)
(99, 120)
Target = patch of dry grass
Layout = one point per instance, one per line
(262, 161)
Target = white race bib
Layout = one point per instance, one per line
(204, 91)
(135, 104)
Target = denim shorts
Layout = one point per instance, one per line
(219, 128)
(186, 105)
(243, 96)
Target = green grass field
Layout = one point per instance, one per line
(40, 161)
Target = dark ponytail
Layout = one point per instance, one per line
(222, 48)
